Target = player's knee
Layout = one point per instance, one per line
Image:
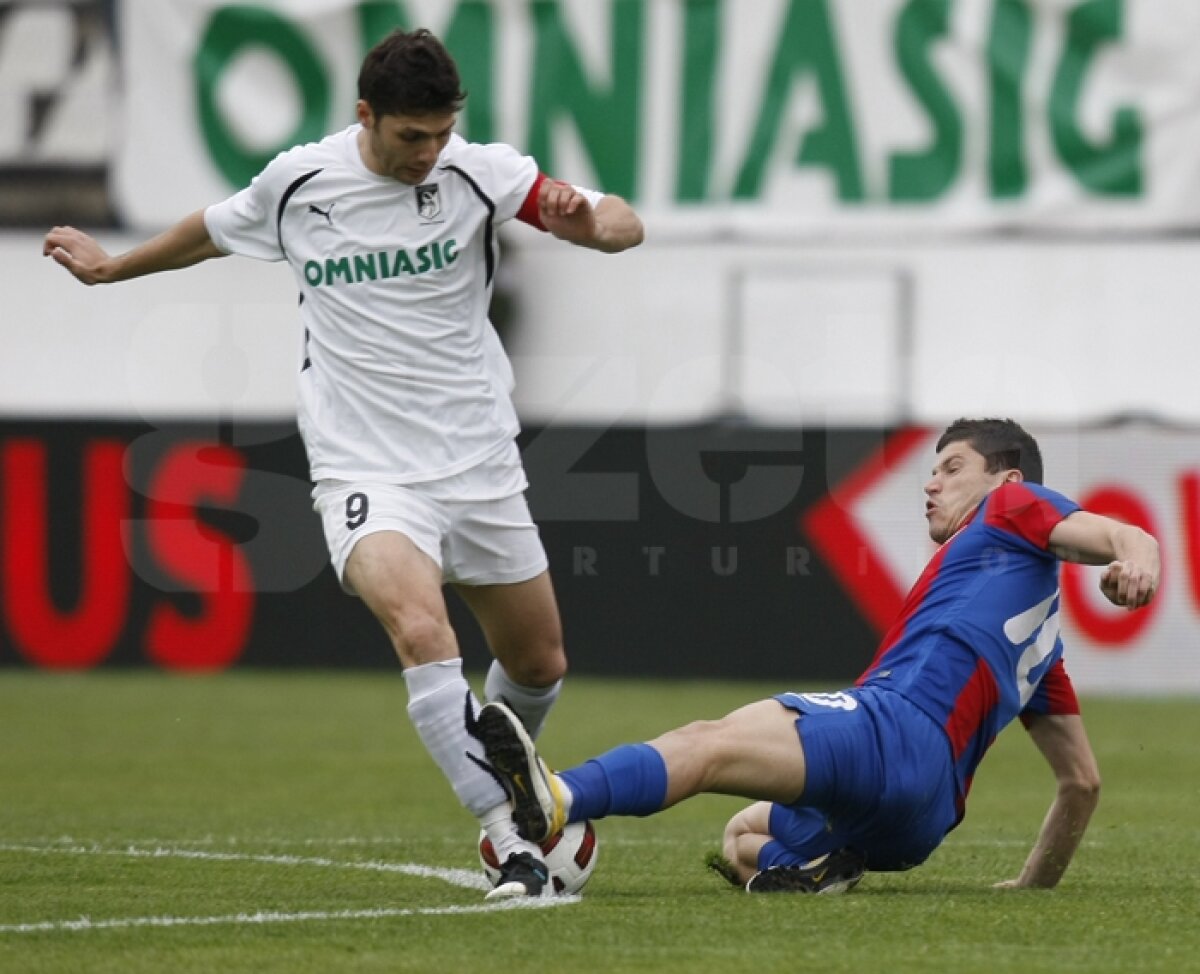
(741, 846)
(734, 828)
(550, 670)
(543, 664)
(729, 849)
(1085, 786)
(421, 637)
(703, 740)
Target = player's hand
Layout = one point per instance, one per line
(566, 212)
(1128, 584)
(78, 253)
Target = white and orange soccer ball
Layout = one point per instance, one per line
(570, 855)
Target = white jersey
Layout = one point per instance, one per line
(403, 377)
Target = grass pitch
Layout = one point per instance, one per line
(292, 823)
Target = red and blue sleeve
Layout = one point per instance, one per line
(1054, 697)
(1029, 511)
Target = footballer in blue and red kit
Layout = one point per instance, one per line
(976, 644)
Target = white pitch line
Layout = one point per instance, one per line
(262, 917)
(461, 878)
(235, 841)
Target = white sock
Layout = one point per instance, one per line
(440, 703)
(531, 704)
(499, 826)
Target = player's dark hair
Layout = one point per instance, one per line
(410, 73)
(1003, 444)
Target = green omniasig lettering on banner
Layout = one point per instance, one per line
(701, 45)
(470, 36)
(806, 46)
(378, 18)
(1009, 46)
(1006, 109)
(607, 116)
(1115, 168)
(233, 31)
(926, 174)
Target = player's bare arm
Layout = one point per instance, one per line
(611, 226)
(1133, 572)
(1064, 744)
(184, 244)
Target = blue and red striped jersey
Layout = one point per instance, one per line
(977, 640)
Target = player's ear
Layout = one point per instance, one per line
(365, 116)
(1014, 477)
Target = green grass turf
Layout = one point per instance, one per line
(99, 771)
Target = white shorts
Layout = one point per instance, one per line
(475, 525)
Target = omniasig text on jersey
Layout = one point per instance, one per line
(382, 264)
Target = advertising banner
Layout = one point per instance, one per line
(698, 552)
(792, 117)
(58, 88)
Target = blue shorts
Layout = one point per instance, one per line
(880, 779)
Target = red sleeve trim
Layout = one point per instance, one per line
(1058, 694)
(1018, 510)
(528, 213)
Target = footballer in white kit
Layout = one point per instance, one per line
(403, 377)
(389, 227)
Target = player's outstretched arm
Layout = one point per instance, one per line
(1065, 746)
(184, 244)
(1131, 554)
(611, 226)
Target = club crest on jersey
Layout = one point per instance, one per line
(429, 203)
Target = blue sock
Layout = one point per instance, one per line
(628, 780)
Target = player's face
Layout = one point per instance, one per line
(404, 147)
(959, 482)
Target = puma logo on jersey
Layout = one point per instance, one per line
(327, 212)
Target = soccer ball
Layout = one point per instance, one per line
(570, 855)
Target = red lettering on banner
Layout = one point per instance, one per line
(1109, 628)
(209, 561)
(42, 633)
(1189, 491)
